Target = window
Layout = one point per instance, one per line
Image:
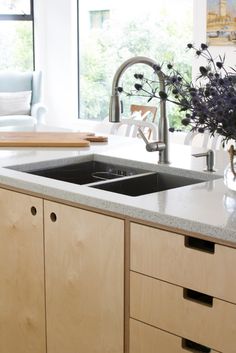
(16, 35)
(112, 31)
(97, 18)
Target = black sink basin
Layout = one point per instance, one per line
(146, 184)
(86, 172)
(108, 175)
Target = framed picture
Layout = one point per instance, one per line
(221, 22)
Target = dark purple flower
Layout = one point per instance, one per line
(173, 79)
(219, 64)
(157, 68)
(201, 120)
(203, 70)
(185, 121)
(201, 130)
(163, 95)
(204, 46)
(138, 87)
(138, 76)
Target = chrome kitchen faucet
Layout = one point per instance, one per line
(115, 114)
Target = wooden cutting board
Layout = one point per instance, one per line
(48, 139)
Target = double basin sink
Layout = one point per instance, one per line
(110, 177)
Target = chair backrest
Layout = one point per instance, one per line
(22, 81)
(200, 139)
(129, 128)
(145, 111)
(204, 140)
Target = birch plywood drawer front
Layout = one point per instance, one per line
(209, 321)
(189, 262)
(148, 339)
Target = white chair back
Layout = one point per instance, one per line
(129, 128)
(204, 140)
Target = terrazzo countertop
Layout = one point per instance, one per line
(207, 208)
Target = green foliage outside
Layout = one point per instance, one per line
(23, 56)
(16, 45)
(106, 49)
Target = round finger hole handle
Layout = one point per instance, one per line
(33, 210)
(53, 217)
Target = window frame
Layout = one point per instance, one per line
(26, 17)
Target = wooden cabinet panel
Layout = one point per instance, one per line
(22, 307)
(163, 305)
(148, 339)
(163, 255)
(84, 281)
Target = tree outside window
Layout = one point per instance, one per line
(16, 35)
(154, 28)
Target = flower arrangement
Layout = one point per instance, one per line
(209, 103)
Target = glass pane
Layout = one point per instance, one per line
(97, 18)
(15, 7)
(113, 31)
(16, 45)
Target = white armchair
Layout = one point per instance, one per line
(20, 101)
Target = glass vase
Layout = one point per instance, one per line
(230, 170)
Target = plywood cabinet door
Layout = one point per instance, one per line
(84, 261)
(22, 306)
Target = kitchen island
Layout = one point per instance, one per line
(207, 208)
(111, 272)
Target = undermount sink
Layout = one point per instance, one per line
(108, 175)
(145, 184)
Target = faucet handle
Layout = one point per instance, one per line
(209, 159)
(143, 136)
(152, 146)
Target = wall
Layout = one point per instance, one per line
(56, 56)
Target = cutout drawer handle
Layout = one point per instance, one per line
(200, 244)
(33, 210)
(53, 217)
(194, 347)
(198, 297)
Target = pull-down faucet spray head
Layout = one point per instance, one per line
(115, 109)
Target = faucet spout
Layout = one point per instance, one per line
(115, 110)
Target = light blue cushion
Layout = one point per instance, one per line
(22, 81)
(18, 82)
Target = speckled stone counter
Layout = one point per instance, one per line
(207, 208)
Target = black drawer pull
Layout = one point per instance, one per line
(194, 347)
(198, 297)
(200, 244)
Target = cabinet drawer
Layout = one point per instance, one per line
(163, 305)
(167, 256)
(145, 338)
